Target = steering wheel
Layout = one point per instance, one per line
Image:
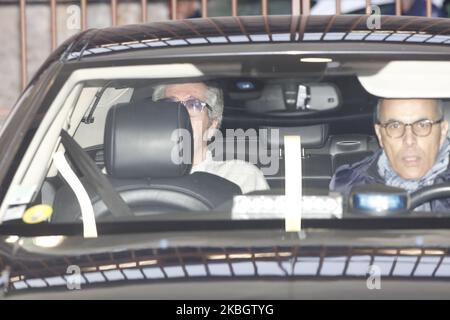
(429, 193)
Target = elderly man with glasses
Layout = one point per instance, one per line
(205, 106)
(414, 150)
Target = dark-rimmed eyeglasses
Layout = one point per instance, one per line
(420, 128)
(195, 105)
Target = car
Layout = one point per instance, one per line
(93, 204)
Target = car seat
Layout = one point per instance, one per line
(141, 142)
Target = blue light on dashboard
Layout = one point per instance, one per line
(245, 85)
(379, 203)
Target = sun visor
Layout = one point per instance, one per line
(410, 79)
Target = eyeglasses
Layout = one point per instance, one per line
(420, 128)
(195, 105)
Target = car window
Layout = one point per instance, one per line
(136, 142)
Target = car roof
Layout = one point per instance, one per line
(260, 29)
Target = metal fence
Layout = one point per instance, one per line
(298, 7)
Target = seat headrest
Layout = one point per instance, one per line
(141, 140)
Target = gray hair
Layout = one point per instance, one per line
(214, 97)
(376, 115)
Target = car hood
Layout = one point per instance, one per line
(222, 261)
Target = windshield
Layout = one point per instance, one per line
(245, 138)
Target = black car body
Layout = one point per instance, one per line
(211, 256)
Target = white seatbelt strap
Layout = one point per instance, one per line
(87, 211)
(293, 183)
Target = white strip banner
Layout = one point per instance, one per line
(293, 183)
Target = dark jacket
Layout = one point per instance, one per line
(366, 172)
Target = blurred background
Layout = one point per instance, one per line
(31, 29)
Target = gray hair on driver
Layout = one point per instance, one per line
(214, 97)
(376, 116)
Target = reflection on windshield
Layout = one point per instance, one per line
(198, 263)
(261, 147)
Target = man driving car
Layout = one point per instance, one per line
(205, 106)
(414, 150)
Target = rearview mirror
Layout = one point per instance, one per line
(317, 97)
(293, 97)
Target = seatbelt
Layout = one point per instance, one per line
(101, 185)
(87, 211)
